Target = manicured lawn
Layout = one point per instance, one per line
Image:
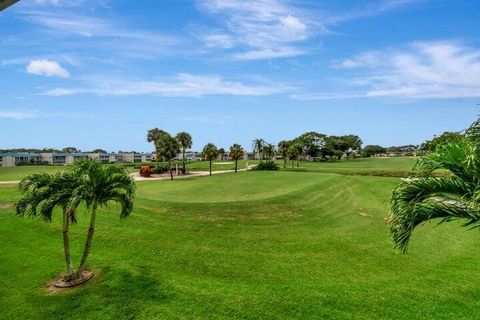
(399, 166)
(17, 173)
(252, 245)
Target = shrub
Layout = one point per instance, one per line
(267, 165)
(145, 171)
(161, 169)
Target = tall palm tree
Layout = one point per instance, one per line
(257, 146)
(98, 186)
(210, 153)
(154, 135)
(283, 151)
(269, 150)
(185, 141)
(236, 152)
(42, 193)
(454, 195)
(294, 151)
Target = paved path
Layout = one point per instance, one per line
(136, 176)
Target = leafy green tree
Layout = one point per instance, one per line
(236, 152)
(42, 193)
(294, 151)
(71, 150)
(98, 185)
(257, 146)
(210, 153)
(453, 196)
(312, 142)
(154, 135)
(444, 138)
(371, 150)
(168, 149)
(283, 151)
(185, 142)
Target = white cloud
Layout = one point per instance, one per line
(16, 115)
(435, 70)
(47, 68)
(263, 28)
(181, 85)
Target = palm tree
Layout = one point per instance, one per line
(185, 141)
(452, 196)
(294, 151)
(42, 193)
(282, 150)
(99, 185)
(210, 153)
(257, 146)
(236, 152)
(269, 150)
(168, 148)
(154, 135)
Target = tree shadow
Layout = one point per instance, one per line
(113, 294)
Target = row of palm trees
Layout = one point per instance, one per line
(89, 183)
(167, 147)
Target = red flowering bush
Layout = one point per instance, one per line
(145, 171)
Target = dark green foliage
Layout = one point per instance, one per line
(372, 150)
(266, 165)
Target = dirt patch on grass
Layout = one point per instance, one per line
(6, 205)
(59, 285)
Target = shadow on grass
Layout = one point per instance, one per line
(113, 293)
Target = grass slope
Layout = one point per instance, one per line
(256, 245)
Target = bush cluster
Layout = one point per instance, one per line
(145, 171)
(267, 165)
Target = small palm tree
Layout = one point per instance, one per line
(294, 151)
(236, 152)
(283, 151)
(269, 150)
(98, 186)
(42, 193)
(154, 135)
(185, 141)
(452, 196)
(210, 153)
(257, 146)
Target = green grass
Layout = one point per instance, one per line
(17, 173)
(396, 167)
(252, 245)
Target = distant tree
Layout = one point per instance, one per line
(71, 150)
(371, 150)
(185, 142)
(268, 150)
(257, 146)
(154, 135)
(236, 152)
(283, 151)
(99, 151)
(294, 151)
(312, 142)
(444, 138)
(221, 152)
(168, 149)
(210, 153)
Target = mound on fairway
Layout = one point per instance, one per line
(252, 245)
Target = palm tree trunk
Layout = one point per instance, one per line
(183, 160)
(66, 244)
(88, 243)
(284, 162)
(236, 163)
(170, 168)
(210, 164)
(293, 163)
(156, 158)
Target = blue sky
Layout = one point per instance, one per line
(100, 73)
